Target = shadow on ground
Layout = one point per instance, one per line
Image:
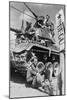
(16, 77)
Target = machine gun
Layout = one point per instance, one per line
(15, 30)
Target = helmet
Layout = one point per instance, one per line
(41, 18)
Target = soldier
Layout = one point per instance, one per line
(40, 22)
(38, 25)
(49, 24)
(48, 78)
(31, 72)
(40, 75)
(29, 31)
(28, 26)
(57, 78)
(34, 73)
(49, 70)
(54, 81)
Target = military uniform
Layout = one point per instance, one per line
(31, 72)
(40, 22)
(50, 25)
(34, 74)
(57, 76)
(54, 83)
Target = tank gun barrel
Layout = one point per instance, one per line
(31, 10)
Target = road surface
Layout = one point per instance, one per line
(18, 87)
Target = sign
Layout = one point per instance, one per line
(60, 28)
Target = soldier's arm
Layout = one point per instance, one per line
(33, 67)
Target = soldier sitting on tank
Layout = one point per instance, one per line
(34, 76)
(40, 22)
(48, 23)
(29, 31)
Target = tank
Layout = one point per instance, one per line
(43, 47)
(44, 51)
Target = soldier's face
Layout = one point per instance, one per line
(50, 72)
(56, 70)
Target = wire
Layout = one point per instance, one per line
(21, 11)
(31, 10)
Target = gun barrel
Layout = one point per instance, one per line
(31, 10)
(15, 30)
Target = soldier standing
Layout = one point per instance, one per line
(54, 81)
(57, 79)
(34, 74)
(31, 72)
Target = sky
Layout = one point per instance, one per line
(39, 9)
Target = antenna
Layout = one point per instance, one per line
(21, 12)
(31, 10)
